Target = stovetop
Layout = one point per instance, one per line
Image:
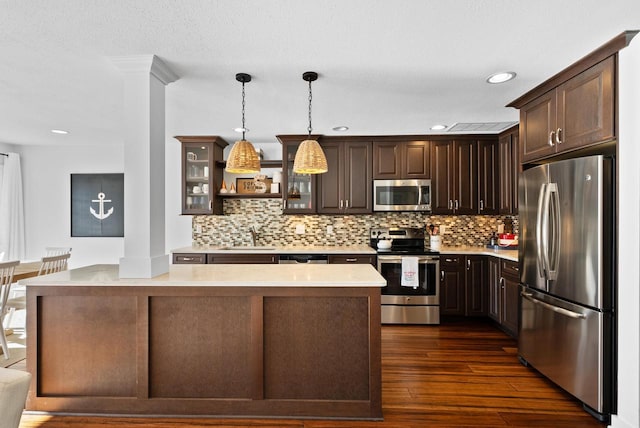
(405, 241)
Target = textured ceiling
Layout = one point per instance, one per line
(386, 67)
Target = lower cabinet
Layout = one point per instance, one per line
(476, 287)
(352, 258)
(452, 285)
(504, 294)
(243, 258)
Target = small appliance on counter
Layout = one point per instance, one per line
(401, 304)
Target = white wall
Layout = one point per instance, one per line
(47, 173)
(629, 240)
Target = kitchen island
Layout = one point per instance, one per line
(216, 340)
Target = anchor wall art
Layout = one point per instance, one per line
(97, 205)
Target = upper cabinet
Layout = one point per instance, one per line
(201, 176)
(488, 177)
(454, 166)
(346, 188)
(574, 109)
(298, 190)
(401, 160)
(510, 168)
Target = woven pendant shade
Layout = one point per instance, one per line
(310, 158)
(243, 158)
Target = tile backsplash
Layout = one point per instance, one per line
(274, 228)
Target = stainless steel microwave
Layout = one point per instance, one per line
(402, 195)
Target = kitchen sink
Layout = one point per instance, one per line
(248, 248)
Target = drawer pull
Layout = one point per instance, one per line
(351, 260)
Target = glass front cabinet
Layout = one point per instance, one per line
(298, 190)
(201, 173)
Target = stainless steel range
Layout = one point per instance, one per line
(407, 304)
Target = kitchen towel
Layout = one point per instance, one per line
(409, 272)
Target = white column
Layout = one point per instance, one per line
(145, 78)
(629, 239)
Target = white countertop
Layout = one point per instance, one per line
(277, 249)
(223, 275)
(481, 251)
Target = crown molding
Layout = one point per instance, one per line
(145, 64)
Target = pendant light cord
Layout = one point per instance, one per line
(243, 127)
(310, 97)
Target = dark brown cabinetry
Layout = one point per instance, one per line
(488, 177)
(394, 160)
(352, 258)
(189, 259)
(242, 258)
(201, 176)
(510, 168)
(452, 285)
(346, 187)
(504, 294)
(454, 170)
(298, 190)
(476, 296)
(577, 113)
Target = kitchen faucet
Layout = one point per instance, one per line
(254, 235)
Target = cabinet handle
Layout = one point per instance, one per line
(210, 204)
(481, 205)
(455, 204)
(468, 264)
(346, 204)
(551, 137)
(450, 204)
(186, 259)
(351, 260)
(442, 275)
(284, 204)
(559, 136)
(341, 203)
(450, 260)
(501, 283)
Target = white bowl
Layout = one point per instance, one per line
(384, 244)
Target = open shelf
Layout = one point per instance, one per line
(263, 164)
(250, 195)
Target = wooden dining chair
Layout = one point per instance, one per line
(6, 278)
(50, 264)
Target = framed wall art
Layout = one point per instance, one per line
(97, 205)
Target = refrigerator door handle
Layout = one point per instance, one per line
(553, 257)
(542, 231)
(557, 309)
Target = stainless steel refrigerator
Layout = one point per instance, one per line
(566, 252)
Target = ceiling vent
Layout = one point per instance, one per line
(481, 127)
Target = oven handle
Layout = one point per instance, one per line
(398, 259)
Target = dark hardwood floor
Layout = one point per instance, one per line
(459, 374)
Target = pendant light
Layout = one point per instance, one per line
(310, 158)
(243, 158)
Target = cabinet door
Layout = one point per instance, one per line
(298, 190)
(387, 160)
(441, 184)
(516, 169)
(357, 186)
(495, 288)
(452, 285)
(330, 199)
(510, 308)
(537, 122)
(416, 160)
(201, 176)
(586, 107)
(488, 177)
(505, 175)
(465, 177)
(476, 285)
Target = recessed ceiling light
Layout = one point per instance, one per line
(438, 127)
(59, 131)
(501, 77)
(241, 129)
(340, 128)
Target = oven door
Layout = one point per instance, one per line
(428, 291)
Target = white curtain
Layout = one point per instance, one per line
(11, 209)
